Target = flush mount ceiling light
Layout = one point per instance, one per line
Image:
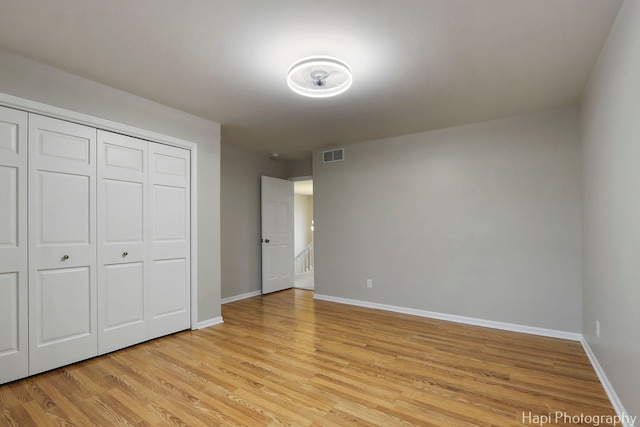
(319, 77)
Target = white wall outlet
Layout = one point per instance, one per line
(597, 328)
(369, 283)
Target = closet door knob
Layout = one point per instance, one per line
(66, 257)
(125, 254)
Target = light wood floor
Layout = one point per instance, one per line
(285, 359)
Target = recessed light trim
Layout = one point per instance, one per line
(319, 77)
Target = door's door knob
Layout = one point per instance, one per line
(125, 254)
(266, 240)
(66, 257)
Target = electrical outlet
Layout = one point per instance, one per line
(597, 328)
(369, 283)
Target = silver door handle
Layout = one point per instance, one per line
(124, 254)
(66, 257)
(266, 240)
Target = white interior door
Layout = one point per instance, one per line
(14, 346)
(123, 277)
(170, 228)
(277, 234)
(62, 243)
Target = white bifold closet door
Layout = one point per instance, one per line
(170, 243)
(14, 322)
(108, 248)
(62, 243)
(123, 239)
(143, 240)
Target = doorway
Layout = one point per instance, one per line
(303, 234)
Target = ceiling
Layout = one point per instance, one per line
(417, 64)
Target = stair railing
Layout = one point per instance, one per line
(304, 260)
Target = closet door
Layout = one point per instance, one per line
(169, 182)
(14, 347)
(62, 243)
(123, 277)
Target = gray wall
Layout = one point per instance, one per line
(298, 168)
(240, 217)
(480, 221)
(27, 79)
(610, 116)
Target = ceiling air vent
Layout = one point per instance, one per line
(333, 155)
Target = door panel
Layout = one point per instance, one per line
(12, 124)
(9, 194)
(277, 234)
(123, 278)
(124, 211)
(285, 260)
(122, 158)
(170, 214)
(170, 287)
(14, 346)
(170, 164)
(62, 330)
(124, 289)
(67, 291)
(64, 214)
(9, 313)
(62, 243)
(170, 239)
(61, 145)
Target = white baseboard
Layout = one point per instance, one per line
(242, 296)
(572, 336)
(608, 388)
(210, 322)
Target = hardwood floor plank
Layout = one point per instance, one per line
(286, 359)
(16, 417)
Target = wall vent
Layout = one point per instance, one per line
(331, 156)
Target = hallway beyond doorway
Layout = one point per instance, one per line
(304, 281)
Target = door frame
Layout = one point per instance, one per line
(305, 178)
(108, 125)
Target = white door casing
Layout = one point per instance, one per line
(277, 234)
(123, 276)
(62, 243)
(170, 264)
(14, 346)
